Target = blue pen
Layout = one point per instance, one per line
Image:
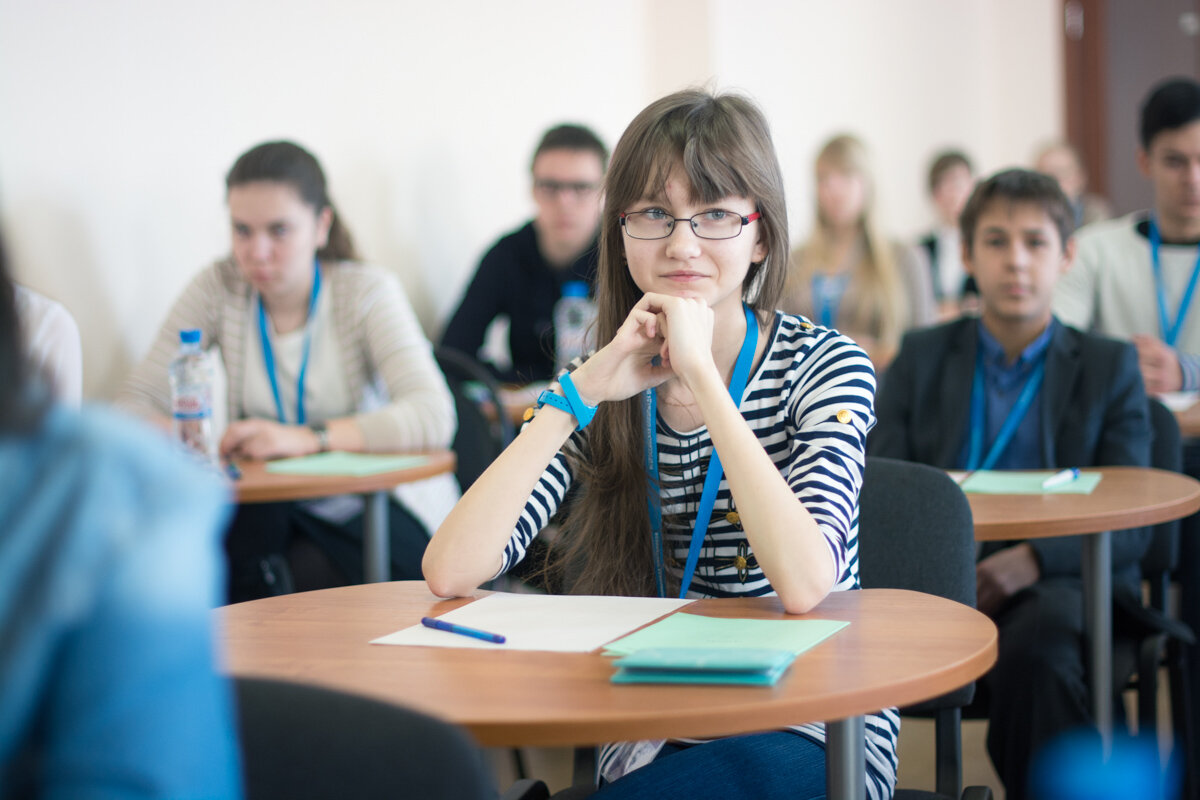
(462, 630)
(231, 469)
(1060, 478)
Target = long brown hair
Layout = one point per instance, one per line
(288, 162)
(22, 401)
(884, 310)
(723, 145)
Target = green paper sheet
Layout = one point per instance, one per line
(1006, 482)
(693, 630)
(340, 463)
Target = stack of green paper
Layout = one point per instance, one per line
(342, 463)
(712, 665)
(986, 481)
(689, 648)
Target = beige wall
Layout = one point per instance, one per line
(119, 118)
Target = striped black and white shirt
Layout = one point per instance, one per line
(810, 403)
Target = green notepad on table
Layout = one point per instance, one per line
(695, 630)
(340, 463)
(712, 665)
(986, 481)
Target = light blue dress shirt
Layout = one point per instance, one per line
(109, 569)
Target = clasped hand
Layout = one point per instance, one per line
(663, 337)
(261, 439)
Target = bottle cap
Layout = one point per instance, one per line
(189, 336)
(575, 289)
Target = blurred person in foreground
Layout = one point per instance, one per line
(109, 566)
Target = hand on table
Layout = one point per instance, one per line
(261, 439)
(1159, 364)
(1003, 574)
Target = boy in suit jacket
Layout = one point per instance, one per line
(1070, 399)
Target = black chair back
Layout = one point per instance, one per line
(915, 531)
(301, 742)
(484, 429)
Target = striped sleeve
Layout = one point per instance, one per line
(540, 508)
(830, 409)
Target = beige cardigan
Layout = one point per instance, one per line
(378, 333)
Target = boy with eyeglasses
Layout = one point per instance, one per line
(1016, 389)
(523, 274)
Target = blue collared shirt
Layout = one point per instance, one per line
(110, 564)
(1003, 383)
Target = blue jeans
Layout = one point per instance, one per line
(758, 766)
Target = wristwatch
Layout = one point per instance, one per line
(322, 433)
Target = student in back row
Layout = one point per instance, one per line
(522, 276)
(847, 275)
(951, 180)
(321, 353)
(1016, 389)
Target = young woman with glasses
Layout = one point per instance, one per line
(697, 374)
(847, 275)
(307, 336)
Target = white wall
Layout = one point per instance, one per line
(118, 119)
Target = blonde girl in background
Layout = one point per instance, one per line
(848, 276)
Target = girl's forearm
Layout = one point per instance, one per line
(788, 544)
(468, 546)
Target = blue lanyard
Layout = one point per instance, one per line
(1011, 422)
(269, 355)
(1170, 333)
(712, 480)
(827, 294)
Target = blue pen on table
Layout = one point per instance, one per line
(1060, 478)
(462, 630)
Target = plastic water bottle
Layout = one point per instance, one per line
(191, 376)
(573, 317)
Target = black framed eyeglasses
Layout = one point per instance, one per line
(550, 189)
(716, 223)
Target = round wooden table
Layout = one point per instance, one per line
(257, 485)
(901, 647)
(1126, 497)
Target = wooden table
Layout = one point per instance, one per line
(256, 485)
(901, 647)
(1126, 497)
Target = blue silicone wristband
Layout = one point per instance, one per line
(571, 404)
(581, 410)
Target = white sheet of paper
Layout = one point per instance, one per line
(562, 623)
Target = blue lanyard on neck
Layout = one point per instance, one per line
(1170, 333)
(712, 480)
(827, 295)
(269, 355)
(1011, 422)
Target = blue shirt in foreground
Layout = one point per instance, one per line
(109, 545)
